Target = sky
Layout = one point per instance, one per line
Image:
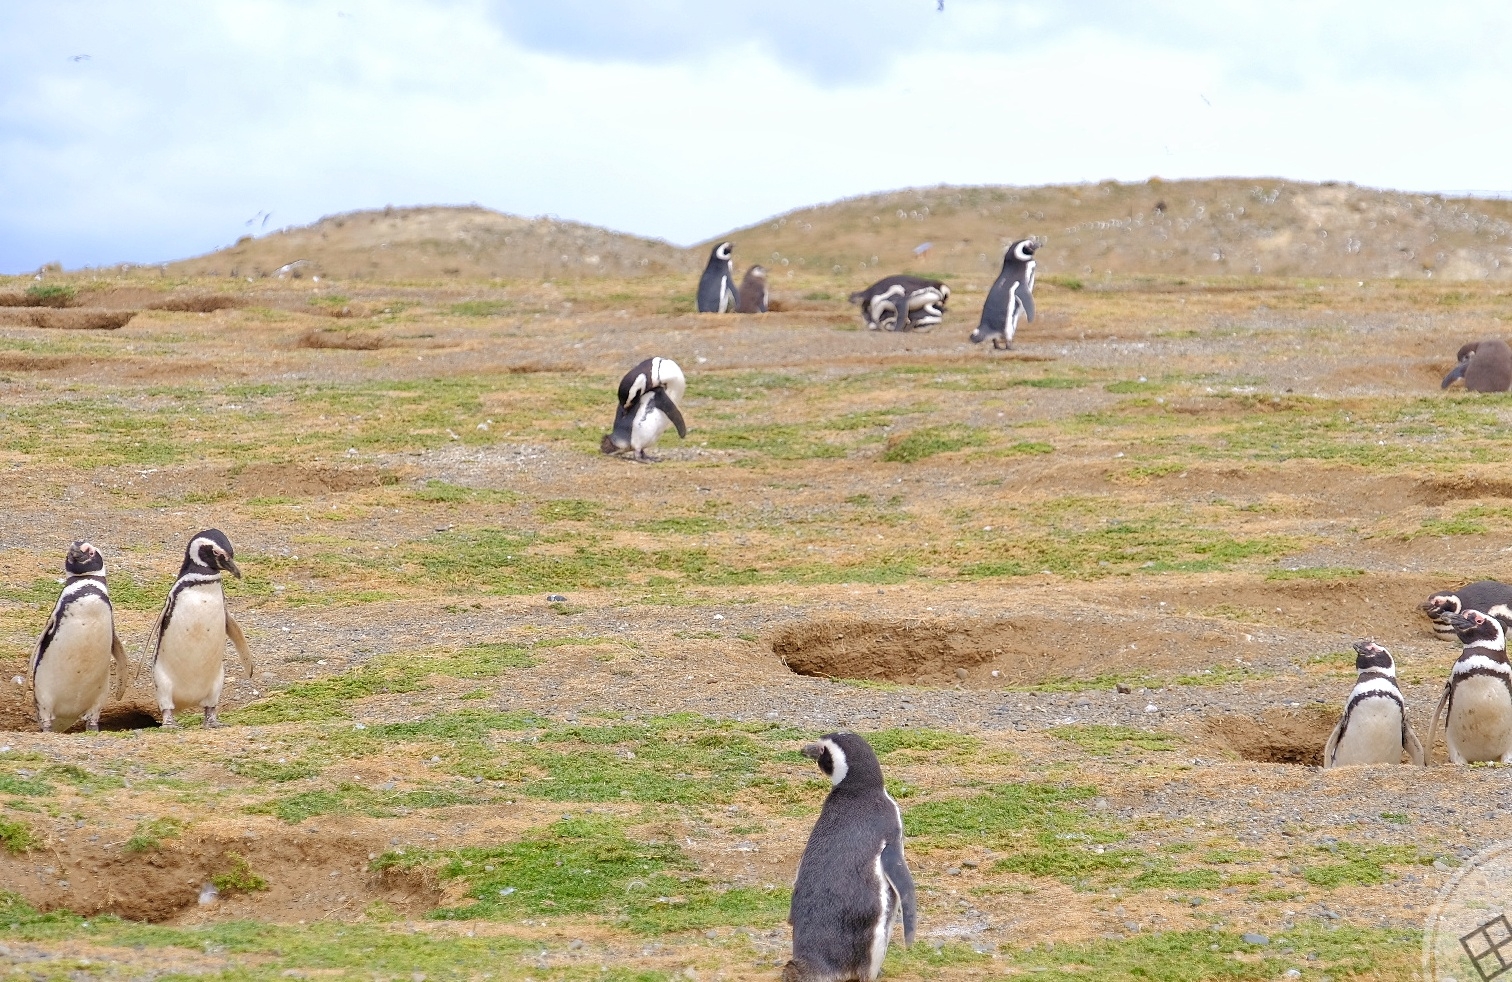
(153, 131)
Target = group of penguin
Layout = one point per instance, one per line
(1476, 704)
(893, 303)
(70, 668)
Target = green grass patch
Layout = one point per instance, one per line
(238, 877)
(447, 493)
(917, 445)
(481, 308)
(150, 835)
(1316, 573)
(51, 294)
(1104, 741)
(354, 799)
(568, 510)
(1361, 865)
(17, 837)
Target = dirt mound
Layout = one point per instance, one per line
(196, 303)
(1462, 487)
(342, 340)
(439, 242)
(1226, 227)
(1292, 736)
(11, 361)
(66, 319)
(295, 480)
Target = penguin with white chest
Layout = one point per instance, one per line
(1375, 728)
(902, 303)
(70, 669)
(1487, 596)
(187, 664)
(1478, 695)
(716, 288)
(1011, 295)
(853, 881)
(648, 404)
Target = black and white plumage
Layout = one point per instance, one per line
(1478, 695)
(754, 294)
(1375, 728)
(1486, 596)
(853, 881)
(188, 661)
(649, 395)
(1486, 366)
(70, 668)
(923, 300)
(1012, 294)
(716, 288)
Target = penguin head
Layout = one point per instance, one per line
(1023, 250)
(83, 558)
(1441, 604)
(723, 251)
(847, 760)
(211, 550)
(1371, 657)
(1478, 629)
(757, 272)
(1466, 351)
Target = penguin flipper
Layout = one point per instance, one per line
(1433, 727)
(1414, 747)
(1457, 372)
(1332, 746)
(895, 868)
(122, 664)
(661, 400)
(155, 635)
(234, 632)
(1026, 298)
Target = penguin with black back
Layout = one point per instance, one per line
(1486, 366)
(1477, 700)
(70, 669)
(753, 292)
(853, 881)
(648, 403)
(716, 288)
(1375, 728)
(1011, 295)
(1487, 596)
(922, 301)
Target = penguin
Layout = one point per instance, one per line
(1375, 728)
(753, 292)
(853, 880)
(879, 302)
(716, 288)
(1011, 294)
(1486, 366)
(1478, 695)
(648, 398)
(1486, 596)
(192, 631)
(70, 669)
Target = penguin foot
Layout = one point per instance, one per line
(212, 721)
(168, 721)
(92, 726)
(47, 726)
(644, 458)
(797, 971)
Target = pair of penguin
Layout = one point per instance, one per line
(901, 303)
(70, 668)
(717, 293)
(649, 395)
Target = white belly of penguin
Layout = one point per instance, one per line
(1480, 720)
(1374, 734)
(650, 423)
(189, 669)
(73, 678)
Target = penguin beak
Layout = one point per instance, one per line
(812, 751)
(229, 565)
(1462, 623)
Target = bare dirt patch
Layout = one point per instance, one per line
(196, 303)
(342, 340)
(1282, 736)
(66, 319)
(294, 480)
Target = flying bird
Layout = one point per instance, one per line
(79, 58)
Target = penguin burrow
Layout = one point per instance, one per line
(70, 669)
(1375, 728)
(1477, 700)
(1486, 596)
(853, 881)
(1011, 295)
(921, 300)
(1486, 366)
(187, 663)
(716, 288)
(754, 294)
(649, 395)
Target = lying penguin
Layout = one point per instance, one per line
(1487, 596)
(648, 398)
(70, 670)
(921, 303)
(1486, 366)
(1375, 728)
(1478, 695)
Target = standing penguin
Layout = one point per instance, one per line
(1486, 596)
(1011, 294)
(192, 631)
(716, 288)
(70, 670)
(1478, 721)
(648, 398)
(1375, 728)
(753, 292)
(1486, 366)
(853, 881)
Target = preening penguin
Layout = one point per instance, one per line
(1375, 728)
(193, 629)
(1486, 596)
(853, 881)
(923, 300)
(1478, 721)
(1011, 295)
(648, 403)
(716, 288)
(753, 292)
(70, 669)
(1486, 366)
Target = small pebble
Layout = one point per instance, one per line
(1255, 939)
(1123, 689)
(961, 674)
(555, 598)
